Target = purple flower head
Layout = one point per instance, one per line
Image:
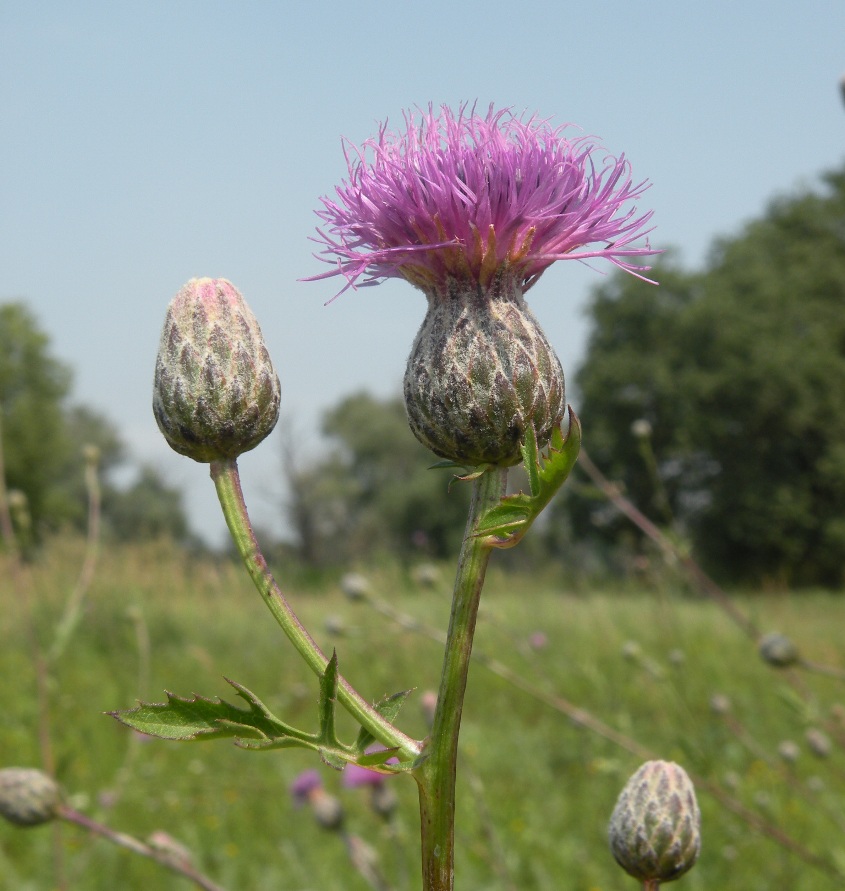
(303, 785)
(464, 195)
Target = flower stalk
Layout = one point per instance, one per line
(436, 773)
(227, 482)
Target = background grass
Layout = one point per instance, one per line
(536, 790)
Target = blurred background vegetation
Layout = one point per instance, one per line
(716, 400)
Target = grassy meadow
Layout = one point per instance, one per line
(536, 789)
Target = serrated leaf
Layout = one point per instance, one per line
(200, 718)
(506, 523)
(388, 708)
(191, 719)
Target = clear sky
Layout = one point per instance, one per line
(144, 144)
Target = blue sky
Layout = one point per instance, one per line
(144, 144)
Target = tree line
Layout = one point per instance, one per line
(716, 400)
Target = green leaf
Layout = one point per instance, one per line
(388, 708)
(199, 718)
(505, 524)
(328, 702)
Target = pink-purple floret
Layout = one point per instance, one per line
(469, 192)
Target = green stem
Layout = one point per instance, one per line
(227, 482)
(435, 773)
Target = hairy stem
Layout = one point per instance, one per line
(436, 770)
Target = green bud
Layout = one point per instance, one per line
(480, 372)
(655, 829)
(28, 797)
(216, 393)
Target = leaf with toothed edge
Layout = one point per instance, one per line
(200, 718)
(196, 718)
(506, 523)
(388, 708)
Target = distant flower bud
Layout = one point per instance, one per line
(789, 751)
(383, 800)
(480, 373)
(91, 454)
(655, 829)
(778, 650)
(720, 704)
(216, 393)
(818, 742)
(641, 428)
(428, 705)
(28, 797)
(327, 810)
(355, 586)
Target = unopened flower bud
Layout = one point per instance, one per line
(327, 810)
(778, 650)
(216, 392)
(383, 800)
(355, 586)
(789, 751)
(818, 742)
(720, 704)
(480, 373)
(28, 797)
(655, 829)
(641, 428)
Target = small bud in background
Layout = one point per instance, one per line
(538, 640)
(426, 575)
(383, 800)
(355, 586)
(655, 829)
(307, 788)
(428, 704)
(778, 650)
(327, 810)
(631, 651)
(720, 704)
(677, 658)
(335, 625)
(789, 751)
(174, 850)
(91, 454)
(641, 428)
(28, 797)
(216, 392)
(818, 742)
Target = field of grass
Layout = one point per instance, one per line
(535, 789)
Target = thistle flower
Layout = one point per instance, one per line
(472, 210)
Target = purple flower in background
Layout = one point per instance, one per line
(355, 776)
(464, 195)
(303, 785)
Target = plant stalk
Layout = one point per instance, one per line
(436, 770)
(228, 484)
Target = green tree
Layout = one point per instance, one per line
(44, 438)
(740, 370)
(373, 491)
(33, 387)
